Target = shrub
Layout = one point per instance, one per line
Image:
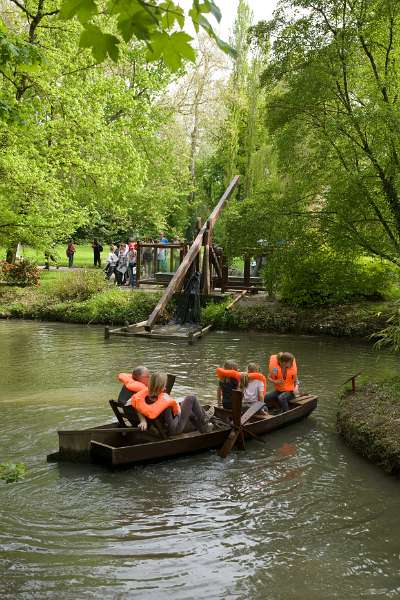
(322, 277)
(23, 272)
(80, 285)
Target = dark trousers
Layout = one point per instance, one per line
(96, 258)
(70, 259)
(278, 399)
(191, 417)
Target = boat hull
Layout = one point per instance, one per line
(116, 446)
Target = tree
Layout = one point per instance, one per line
(333, 92)
(155, 23)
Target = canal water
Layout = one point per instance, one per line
(300, 517)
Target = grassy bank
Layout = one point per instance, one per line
(76, 297)
(369, 421)
(85, 297)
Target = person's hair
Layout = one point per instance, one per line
(285, 357)
(139, 372)
(157, 384)
(232, 366)
(244, 381)
(244, 378)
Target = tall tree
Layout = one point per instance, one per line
(333, 91)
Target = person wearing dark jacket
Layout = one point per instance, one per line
(97, 249)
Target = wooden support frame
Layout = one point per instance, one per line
(177, 280)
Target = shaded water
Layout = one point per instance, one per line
(300, 517)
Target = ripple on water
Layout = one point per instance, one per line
(300, 512)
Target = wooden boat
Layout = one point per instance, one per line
(115, 445)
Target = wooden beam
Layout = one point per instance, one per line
(138, 264)
(238, 297)
(176, 282)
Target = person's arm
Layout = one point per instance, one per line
(260, 392)
(278, 381)
(143, 423)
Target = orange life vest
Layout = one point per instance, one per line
(231, 373)
(131, 384)
(154, 410)
(275, 372)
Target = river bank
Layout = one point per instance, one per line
(72, 298)
(369, 422)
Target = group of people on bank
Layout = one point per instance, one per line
(151, 401)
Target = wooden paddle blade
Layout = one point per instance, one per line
(236, 399)
(252, 410)
(229, 443)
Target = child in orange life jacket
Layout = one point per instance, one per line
(283, 374)
(189, 416)
(227, 384)
(253, 389)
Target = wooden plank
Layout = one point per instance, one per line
(176, 282)
(236, 299)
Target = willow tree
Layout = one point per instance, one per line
(333, 89)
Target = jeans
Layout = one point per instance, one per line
(280, 399)
(132, 274)
(191, 417)
(70, 260)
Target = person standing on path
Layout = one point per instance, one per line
(70, 253)
(97, 249)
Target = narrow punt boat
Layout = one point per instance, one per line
(118, 445)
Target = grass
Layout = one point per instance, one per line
(83, 255)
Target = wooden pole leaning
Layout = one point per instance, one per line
(177, 280)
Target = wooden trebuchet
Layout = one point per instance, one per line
(176, 282)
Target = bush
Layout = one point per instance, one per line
(80, 285)
(23, 272)
(322, 277)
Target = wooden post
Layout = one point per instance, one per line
(155, 262)
(138, 264)
(177, 280)
(197, 259)
(246, 273)
(171, 260)
(206, 261)
(224, 273)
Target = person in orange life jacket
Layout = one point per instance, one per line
(227, 384)
(139, 380)
(189, 416)
(283, 374)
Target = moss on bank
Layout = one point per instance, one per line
(369, 421)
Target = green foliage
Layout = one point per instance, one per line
(332, 87)
(320, 276)
(12, 472)
(214, 312)
(23, 272)
(80, 285)
(155, 23)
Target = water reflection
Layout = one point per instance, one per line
(300, 516)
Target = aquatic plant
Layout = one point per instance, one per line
(12, 472)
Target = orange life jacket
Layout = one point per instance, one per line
(275, 372)
(231, 373)
(154, 410)
(131, 384)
